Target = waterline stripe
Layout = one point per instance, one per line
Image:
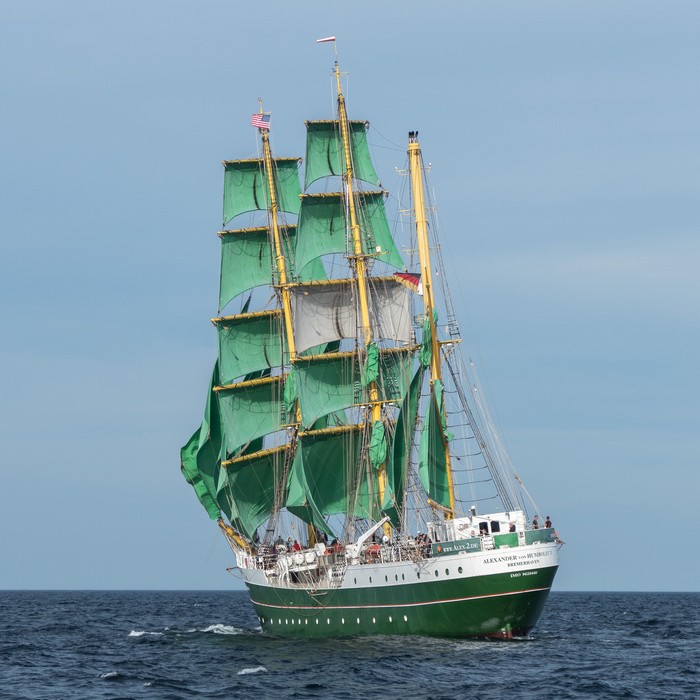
(397, 605)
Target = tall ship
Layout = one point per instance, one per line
(346, 452)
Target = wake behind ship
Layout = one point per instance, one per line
(345, 449)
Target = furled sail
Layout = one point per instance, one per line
(246, 186)
(325, 156)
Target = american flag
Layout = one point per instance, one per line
(260, 121)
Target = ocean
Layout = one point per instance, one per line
(165, 644)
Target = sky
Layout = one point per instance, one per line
(564, 142)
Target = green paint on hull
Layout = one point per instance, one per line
(498, 605)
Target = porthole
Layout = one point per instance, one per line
(306, 622)
(447, 572)
(386, 578)
(342, 620)
(403, 577)
(279, 622)
(460, 570)
(374, 621)
(355, 581)
(405, 619)
(418, 574)
(358, 620)
(286, 621)
(370, 579)
(396, 576)
(328, 620)
(316, 620)
(436, 572)
(390, 620)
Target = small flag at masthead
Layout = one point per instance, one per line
(260, 121)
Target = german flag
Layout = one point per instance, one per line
(411, 280)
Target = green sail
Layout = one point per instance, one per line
(325, 156)
(425, 354)
(397, 467)
(248, 486)
(249, 343)
(378, 444)
(188, 465)
(327, 479)
(329, 384)
(200, 456)
(323, 228)
(300, 502)
(246, 187)
(432, 460)
(248, 261)
(250, 411)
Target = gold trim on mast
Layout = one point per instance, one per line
(416, 170)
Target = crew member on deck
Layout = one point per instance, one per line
(548, 522)
(535, 524)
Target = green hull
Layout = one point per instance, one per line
(496, 605)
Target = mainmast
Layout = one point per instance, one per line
(360, 269)
(416, 171)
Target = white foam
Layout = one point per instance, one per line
(257, 669)
(221, 629)
(111, 674)
(141, 633)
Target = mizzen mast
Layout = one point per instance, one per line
(416, 171)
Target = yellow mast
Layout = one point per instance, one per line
(279, 251)
(416, 170)
(360, 269)
(281, 264)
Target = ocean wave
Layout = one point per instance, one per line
(112, 675)
(221, 629)
(257, 669)
(141, 633)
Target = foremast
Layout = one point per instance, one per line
(279, 251)
(282, 288)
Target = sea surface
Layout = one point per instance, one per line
(148, 644)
